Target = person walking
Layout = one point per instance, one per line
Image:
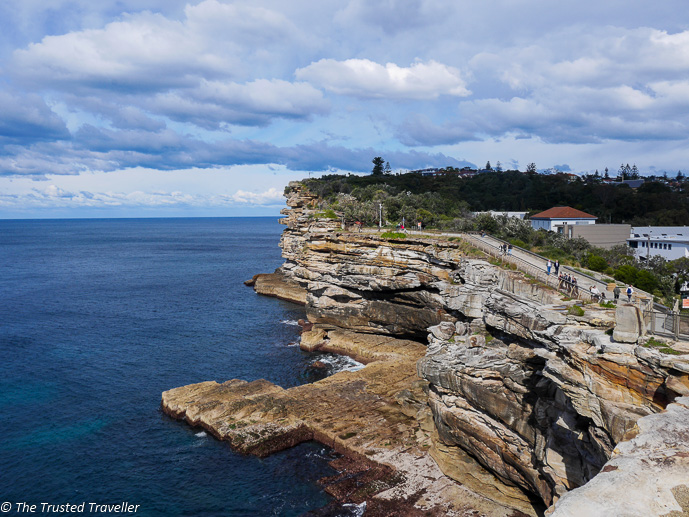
(548, 266)
(557, 267)
(509, 249)
(630, 293)
(616, 293)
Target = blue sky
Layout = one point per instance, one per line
(208, 108)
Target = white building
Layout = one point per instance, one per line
(670, 242)
(557, 218)
(496, 213)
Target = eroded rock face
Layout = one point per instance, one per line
(542, 399)
(510, 380)
(535, 394)
(652, 468)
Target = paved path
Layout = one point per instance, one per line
(525, 261)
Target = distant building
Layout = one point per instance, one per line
(630, 183)
(600, 235)
(669, 242)
(495, 213)
(430, 171)
(555, 219)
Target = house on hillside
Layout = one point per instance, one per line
(558, 218)
(430, 171)
(670, 242)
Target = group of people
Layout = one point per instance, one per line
(596, 295)
(505, 249)
(629, 292)
(568, 283)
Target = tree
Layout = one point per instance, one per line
(498, 166)
(635, 172)
(531, 168)
(488, 167)
(378, 166)
(388, 169)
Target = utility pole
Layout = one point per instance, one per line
(648, 248)
(380, 215)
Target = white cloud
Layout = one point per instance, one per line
(229, 86)
(214, 103)
(367, 79)
(270, 196)
(148, 51)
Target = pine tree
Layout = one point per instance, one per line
(377, 166)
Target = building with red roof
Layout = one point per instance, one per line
(556, 218)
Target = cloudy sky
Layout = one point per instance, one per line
(195, 108)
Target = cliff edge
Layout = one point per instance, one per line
(519, 396)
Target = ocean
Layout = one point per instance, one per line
(97, 319)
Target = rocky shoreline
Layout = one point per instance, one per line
(376, 418)
(484, 390)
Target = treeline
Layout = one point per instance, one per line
(446, 202)
(450, 196)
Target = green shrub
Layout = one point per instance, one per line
(646, 281)
(327, 214)
(518, 243)
(607, 305)
(596, 263)
(626, 274)
(575, 310)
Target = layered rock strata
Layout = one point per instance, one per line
(537, 394)
(376, 416)
(647, 475)
(516, 379)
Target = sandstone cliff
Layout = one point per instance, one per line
(513, 380)
(538, 396)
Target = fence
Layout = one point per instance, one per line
(571, 289)
(658, 320)
(666, 323)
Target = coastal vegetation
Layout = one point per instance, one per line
(448, 202)
(658, 201)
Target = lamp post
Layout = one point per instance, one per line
(380, 215)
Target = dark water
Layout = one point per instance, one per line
(97, 319)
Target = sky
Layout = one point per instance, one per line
(156, 108)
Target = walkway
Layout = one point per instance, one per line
(535, 265)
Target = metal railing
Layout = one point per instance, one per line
(568, 288)
(659, 320)
(666, 323)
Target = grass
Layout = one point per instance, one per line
(393, 235)
(661, 347)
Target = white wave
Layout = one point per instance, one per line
(202, 434)
(358, 509)
(293, 343)
(290, 322)
(339, 363)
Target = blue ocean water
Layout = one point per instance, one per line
(97, 319)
